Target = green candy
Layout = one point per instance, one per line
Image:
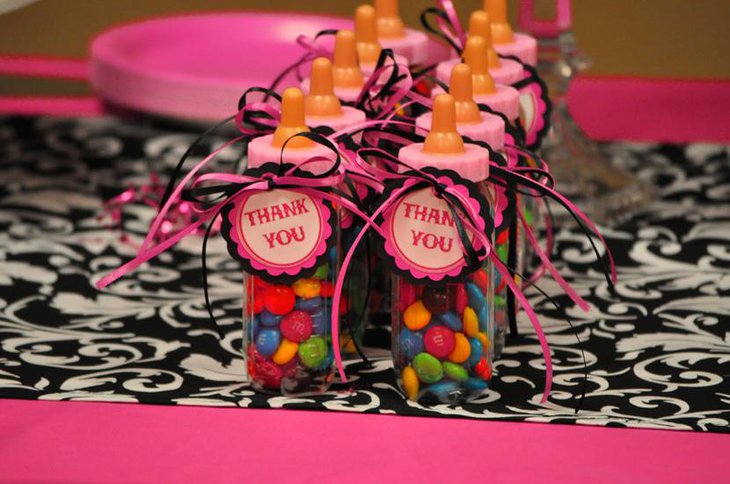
(528, 215)
(313, 352)
(428, 368)
(322, 271)
(455, 372)
(502, 251)
(500, 301)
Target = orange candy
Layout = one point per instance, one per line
(416, 316)
(462, 349)
(471, 322)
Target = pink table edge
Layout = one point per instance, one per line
(112, 442)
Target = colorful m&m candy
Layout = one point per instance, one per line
(441, 344)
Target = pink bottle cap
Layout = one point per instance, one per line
(409, 43)
(444, 149)
(505, 100)
(268, 148)
(490, 130)
(508, 72)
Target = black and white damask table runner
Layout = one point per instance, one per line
(658, 356)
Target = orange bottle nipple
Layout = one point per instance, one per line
(346, 71)
(501, 29)
(292, 120)
(443, 138)
(366, 35)
(480, 25)
(461, 88)
(321, 100)
(475, 55)
(390, 25)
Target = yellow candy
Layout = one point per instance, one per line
(347, 345)
(461, 351)
(471, 322)
(307, 288)
(482, 337)
(410, 382)
(285, 352)
(416, 316)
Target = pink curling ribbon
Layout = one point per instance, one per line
(453, 28)
(148, 250)
(150, 194)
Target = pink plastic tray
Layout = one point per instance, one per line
(195, 67)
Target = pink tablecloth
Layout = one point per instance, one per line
(101, 442)
(94, 442)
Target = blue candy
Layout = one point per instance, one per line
(332, 256)
(410, 342)
(476, 384)
(443, 388)
(310, 305)
(497, 278)
(319, 322)
(451, 319)
(476, 352)
(269, 319)
(483, 316)
(267, 341)
(475, 296)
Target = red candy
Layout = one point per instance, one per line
(439, 341)
(269, 374)
(407, 294)
(502, 238)
(328, 289)
(296, 326)
(279, 299)
(259, 283)
(483, 370)
(481, 279)
(460, 298)
(255, 304)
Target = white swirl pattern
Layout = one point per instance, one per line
(658, 353)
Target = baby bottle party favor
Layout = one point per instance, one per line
(437, 240)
